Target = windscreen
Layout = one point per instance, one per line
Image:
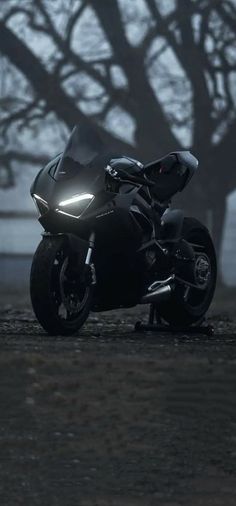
(83, 147)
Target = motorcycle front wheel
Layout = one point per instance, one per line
(61, 297)
(187, 304)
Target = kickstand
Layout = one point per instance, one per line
(160, 326)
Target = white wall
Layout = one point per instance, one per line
(228, 257)
(19, 236)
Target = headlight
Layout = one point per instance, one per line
(75, 205)
(76, 198)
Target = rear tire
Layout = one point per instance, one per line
(177, 311)
(55, 297)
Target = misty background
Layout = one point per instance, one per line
(153, 76)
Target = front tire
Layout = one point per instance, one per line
(60, 302)
(183, 310)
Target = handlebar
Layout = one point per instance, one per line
(136, 179)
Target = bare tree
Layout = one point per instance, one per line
(178, 76)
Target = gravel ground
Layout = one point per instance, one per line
(114, 418)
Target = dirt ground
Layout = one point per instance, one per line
(113, 417)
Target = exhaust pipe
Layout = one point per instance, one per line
(159, 295)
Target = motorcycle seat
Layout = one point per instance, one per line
(171, 173)
(166, 163)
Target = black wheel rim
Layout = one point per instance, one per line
(195, 297)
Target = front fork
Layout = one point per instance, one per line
(90, 248)
(89, 266)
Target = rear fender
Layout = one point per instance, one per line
(171, 225)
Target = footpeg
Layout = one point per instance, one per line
(160, 283)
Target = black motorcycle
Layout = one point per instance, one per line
(112, 241)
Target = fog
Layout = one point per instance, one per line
(154, 76)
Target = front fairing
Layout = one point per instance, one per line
(53, 192)
(78, 170)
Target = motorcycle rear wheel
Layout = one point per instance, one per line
(60, 302)
(180, 310)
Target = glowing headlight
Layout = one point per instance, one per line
(76, 198)
(75, 205)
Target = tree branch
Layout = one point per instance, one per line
(21, 114)
(147, 110)
(119, 96)
(49, 90)
(229, 19)
(23, 156)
